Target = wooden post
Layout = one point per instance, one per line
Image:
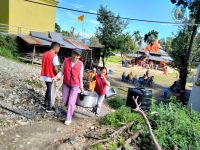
(33, 55)
(92, 61)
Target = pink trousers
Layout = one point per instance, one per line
(69, 98)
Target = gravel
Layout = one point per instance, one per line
(22, 91)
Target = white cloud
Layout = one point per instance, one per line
(94, 22)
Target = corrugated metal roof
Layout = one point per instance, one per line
(40, 38)
(42, 35)
(155, 58)
(57, 37)
(34, 41)
(78, 44)
(30, 40)
(44, 42)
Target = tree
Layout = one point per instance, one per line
(138, 38)
(57, 28)
(94, 42)
(166, 43)
(71, 34)
(110, 28)
(196, 50)
(150, 37)
(125, 44)
(194, 7)
(179, 52)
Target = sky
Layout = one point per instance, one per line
(160, 10)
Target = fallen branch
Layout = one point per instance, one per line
(128, 141)
(115, 133)
(92, 137)
(13, 111)
(139, 110)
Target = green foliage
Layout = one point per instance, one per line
(110, 28)
(6, 53)
(121, 115)
(112, 146)
(116, 102)
(8, 46)
(174, 124)
(125, 44)
(97, 147)
(57, 28)
(166, 43)
(180, 47)
(150, 37)
(94, 42)
(196, 49)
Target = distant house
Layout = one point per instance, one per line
(34, 44)
(21, 17)
(161, 57)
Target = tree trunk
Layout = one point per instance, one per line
(183, 77)
(103, 58)
(184, 71)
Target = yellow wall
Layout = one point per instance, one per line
(3, 14)
(30, 16)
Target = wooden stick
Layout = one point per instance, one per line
(115, 133)
(128, 141)
(139, 110)
(13, 111)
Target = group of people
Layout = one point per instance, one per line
(72, 73)
(146, 79)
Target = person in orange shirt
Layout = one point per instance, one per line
(165, 71)
(92, 80)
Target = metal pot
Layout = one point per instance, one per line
(110, 91)
(87, 99)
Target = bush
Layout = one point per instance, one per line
(8, 46)
(174, 124)
(6, 53)
(121, 115)
(116, 102)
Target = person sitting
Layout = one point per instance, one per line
(142, 80)
(123, 76)
(150, 81)
(131, 76)
(127, 78)
(134, 79)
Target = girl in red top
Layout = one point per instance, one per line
(100, 89)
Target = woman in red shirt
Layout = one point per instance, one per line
(100, 89)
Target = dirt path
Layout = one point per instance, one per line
(22, 91)
(46, 135)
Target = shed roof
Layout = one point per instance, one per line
(57, 37)
(77, 44)
(40, 38)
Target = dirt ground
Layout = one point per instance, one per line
(47, 132)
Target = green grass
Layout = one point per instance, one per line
(120, 116)
(7, 53)
(116, 102)
(112, 60)
(165, 80)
